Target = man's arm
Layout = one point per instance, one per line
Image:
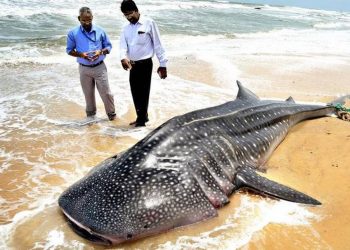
(159, 51)
(158, 47)
(75, 53)
(123, 53)
(106, 44)
(79, 54)
(71, 47)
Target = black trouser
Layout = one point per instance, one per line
(140, 84)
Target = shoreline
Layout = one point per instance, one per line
(271, 79)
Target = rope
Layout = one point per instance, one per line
(338, 106)
(342, 112)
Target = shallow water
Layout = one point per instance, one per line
(47, 145)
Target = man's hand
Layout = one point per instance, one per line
(89, 55)
(93, 55)
(84, 55)
(162, 72)
(126, 64)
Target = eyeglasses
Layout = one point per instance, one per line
(129, 14)
(86, 21)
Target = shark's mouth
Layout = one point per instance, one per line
(86, 233)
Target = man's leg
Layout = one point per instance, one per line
(146, 79)
(88, 86)
(140, 83)
(101, 77)
(135, 89)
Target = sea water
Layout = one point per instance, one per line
(47, 145)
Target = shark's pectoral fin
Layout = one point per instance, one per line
(248, 178)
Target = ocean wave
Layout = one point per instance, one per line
(296, 42)
(205, 47)
(198, 18)
(184, 5)
(332, 25)
(38, 41)
(19, 13)
(33, 57)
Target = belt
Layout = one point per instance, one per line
(141, 61)
(91, 65)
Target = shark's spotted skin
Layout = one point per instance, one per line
(185, 169)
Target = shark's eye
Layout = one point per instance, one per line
(129, 236)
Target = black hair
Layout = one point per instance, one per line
(85, 10)
(128, 5)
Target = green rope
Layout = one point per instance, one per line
(340, 107)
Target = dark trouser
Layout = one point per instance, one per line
(140, 84)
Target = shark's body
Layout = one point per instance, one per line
(185, 169)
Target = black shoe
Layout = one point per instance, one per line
(112, 116)
(136, 122)
(140, 124)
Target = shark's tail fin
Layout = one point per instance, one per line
(249, 179)
(340, 100)
(340, 107)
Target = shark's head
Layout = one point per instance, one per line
(117, 202)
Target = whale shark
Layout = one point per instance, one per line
(185, 170)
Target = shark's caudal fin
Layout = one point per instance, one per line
(248, 178)
(245, 94)
(340, 100)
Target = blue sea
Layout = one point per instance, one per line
(33, 29)
(47, 144)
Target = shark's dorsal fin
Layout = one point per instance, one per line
(245, 94)
(290, 99)
(246, 177)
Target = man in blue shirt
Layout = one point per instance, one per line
(90, 44)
